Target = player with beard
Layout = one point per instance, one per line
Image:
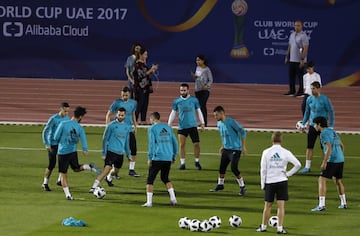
(114, 144)
(186, 106)
(231, 133)
(130, 106)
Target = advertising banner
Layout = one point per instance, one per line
(245, 41)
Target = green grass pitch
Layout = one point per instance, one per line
(27, 210)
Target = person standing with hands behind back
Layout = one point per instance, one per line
(274, 179)
(203, 81)
(296, 58)
(142, 84)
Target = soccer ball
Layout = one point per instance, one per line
(273, 221)
(99, 192)
(299, 125)
(215, 221)
(235, 221)
(184, 223)
(205, 226)
(194, 225)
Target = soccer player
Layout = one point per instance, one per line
(68, 134)
(274, 180)
(332, 165)
(163, 148)
(316, 105)
(130, 106)
(231, 133)
(186, 106)
(114, 144)
(51, 144)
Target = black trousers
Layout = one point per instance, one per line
(203, 97)
(295, 72)
(142, 105)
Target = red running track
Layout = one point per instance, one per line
(254, 106)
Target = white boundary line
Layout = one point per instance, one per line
(142, 152)
(175, 127)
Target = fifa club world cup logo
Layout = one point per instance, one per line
(239, 9)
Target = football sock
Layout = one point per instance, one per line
(263, 227)
(66, 191)
(109, 176)
(182, 161)
(342, 199)
(172, 194)
(132, 165)
(221, 181)
(86, 167)
(59, 178)
(96, 183)
(149, 196)
(241, 182)
(46, 181)
(321, 201)
(308, 164)
(279, 228)
(196, 159)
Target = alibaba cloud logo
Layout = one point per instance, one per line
(13, 29)
(269, 51)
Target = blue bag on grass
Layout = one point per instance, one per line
(73, 222)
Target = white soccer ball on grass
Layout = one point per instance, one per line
(273, 221)
(205, 226)
(99, 192)
(215, 221)
(184, 223)
(194, 225)
(235, 221)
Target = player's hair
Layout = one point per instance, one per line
(155, 115)
(79, 111)
(321, 121)
(126, 89)
(122, 109)
(219, 109)
(184, 85)
(64, 104)
(276, 137)
(316, 84)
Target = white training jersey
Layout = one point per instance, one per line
(309, 79)
(273, 165)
